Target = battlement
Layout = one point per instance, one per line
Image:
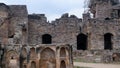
(2, 4)
(37, 16)
(18, 10)
(66, 15)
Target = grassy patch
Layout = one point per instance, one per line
(81, 67)
(79, 60)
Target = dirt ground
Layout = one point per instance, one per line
(96, 65)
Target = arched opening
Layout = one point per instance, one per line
(24, 52)
(108, 41)
(12, 59)
(62, 52)
(114, 57)
(24, 66)
(33, 64)
(32, 50)
(46, 39)
(81, 42)
(62, 65)
(47, 59)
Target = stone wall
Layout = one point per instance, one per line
(63, 30)
(36, 56)
(27, 30)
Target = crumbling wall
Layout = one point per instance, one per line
(102, 9)
(19, 28)
(44, 56)
(18, 22)
(4, 21)
(63, 30)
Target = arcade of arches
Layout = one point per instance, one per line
(46, 57)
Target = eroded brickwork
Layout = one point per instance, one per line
(30, 39)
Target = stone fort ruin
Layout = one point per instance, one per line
(23, 45)
(29, 41)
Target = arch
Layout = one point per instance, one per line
(46, 39)
(33, 53)
(38, 49)
(62, 65)
(82, 42)
(12, 59)
(24, 66)
(62, 52)
(24, 52)
(108, 41)
(33, 64)
(47, 59)
(11, 52)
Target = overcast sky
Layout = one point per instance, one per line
(51, 8)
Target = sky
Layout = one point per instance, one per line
(51, 8)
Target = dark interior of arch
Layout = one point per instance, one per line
(33, 65)
(46, 39)
(81, 42)
(107, 41)
(63, 65)
(24, 66)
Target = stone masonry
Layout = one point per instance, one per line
(30, 37)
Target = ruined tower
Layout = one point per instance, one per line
(102, 9)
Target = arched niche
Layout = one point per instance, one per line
(62, 64)
(12, 59)
(47, 58)
(32, 52)
(62, 52)
(24, 52)
(24, 66)
(33, 64)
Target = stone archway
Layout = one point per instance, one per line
(12, 59)
(32, 52)
(24, 52)
(62, 52)
(47, 59)
(62, 65)
(82, 42)
(108, 41)
(24, 66)
(33, 64)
